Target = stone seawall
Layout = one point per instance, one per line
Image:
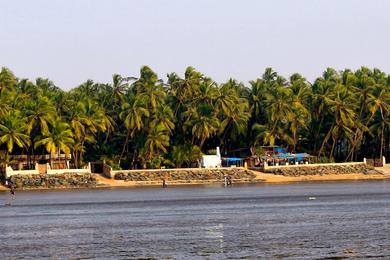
(67, 180)
(185, 175)
(323, 170)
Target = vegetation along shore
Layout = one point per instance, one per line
(147, 122)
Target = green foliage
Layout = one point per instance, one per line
(138, 122)
(185, 155)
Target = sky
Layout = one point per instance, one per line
(70, 41)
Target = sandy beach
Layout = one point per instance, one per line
(103, 182)
(260, 178)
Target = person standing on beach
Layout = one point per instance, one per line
(12, 191)
(9, 200)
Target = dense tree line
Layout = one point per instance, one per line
(144, 121)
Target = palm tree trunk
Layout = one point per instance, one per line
(80, 158)
(358, 137)
(318, 131)
(326, 139)
(381, 146)
(202, 142)
(295, 141)
(331, 151)
(382, 135)
(51, 166)
(124, 145)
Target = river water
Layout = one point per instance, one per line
(292, 221)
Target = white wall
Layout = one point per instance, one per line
(9, 172)
(211, 161)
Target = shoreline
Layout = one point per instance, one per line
(264, 178)
(261, 178)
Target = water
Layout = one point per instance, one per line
(292, 221)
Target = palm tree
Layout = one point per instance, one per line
(7, 79)
(185, 154)
(4, 103)
(13, 130)
(119, 87)
(163, 117)
(380, 101)
(342, 105)
(150, 88)
(203, 124)
(5, 159)
(39, 114)
(157, 141)
(86, 90)
(86, 119)
(268, 135)
(233, 110)
(323, 88)
(257, 99)
(300, 115)
(299, 119)
(133, 113)
(59, 138)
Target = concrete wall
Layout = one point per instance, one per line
(109, 173)
(158, 170)
(63, 171)
(185, 175)
(322, 169)
(266, 167)
(9, 171)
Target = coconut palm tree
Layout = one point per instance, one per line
(5, 107)
(13, 131)
(380, 101)
(322, 89)
(157, 141)
(203, 124)
(151, 89)
(343, 106)
(7, 80)
(39, 113)
(185, 154)
(86, 119)
(58, 139)
(268, 135)
(163, 117)
(134, 112)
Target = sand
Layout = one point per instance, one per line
(260, 178)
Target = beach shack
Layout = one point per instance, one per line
(233, 161)
(280, 156)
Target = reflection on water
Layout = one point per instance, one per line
(248, 221)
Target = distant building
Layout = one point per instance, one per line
(212, 161)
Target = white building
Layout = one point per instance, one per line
(212, 161)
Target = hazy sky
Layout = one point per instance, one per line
(70, 41)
